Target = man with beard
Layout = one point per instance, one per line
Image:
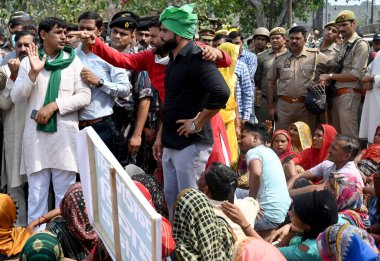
(328, 45)
(49, 82)
(14, 122)
(264, 62)
(291, 74)
(195, 92)
(353, 57)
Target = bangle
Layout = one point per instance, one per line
(13, 77)
(245, 228)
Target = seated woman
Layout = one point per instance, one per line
(12, 239)
(368, 160)
(349, 194)
(308, 158)
(166, 228)
(282, 145)
(155, 190)
(301, 136)
(346, 243)
(43, 245)
(198, 233)
(311, 214)
(71, 224)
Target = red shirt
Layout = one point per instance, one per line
(142, 61)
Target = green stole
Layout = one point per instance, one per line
(55, 67)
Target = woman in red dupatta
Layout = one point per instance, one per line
(308, 158)
(282, 145)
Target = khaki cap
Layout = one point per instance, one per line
(331, 23)
(207, 34)
(277, 30)
(345, 15)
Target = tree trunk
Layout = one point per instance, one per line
(261, 19)
(281, 19)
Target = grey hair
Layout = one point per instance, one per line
(352, 145)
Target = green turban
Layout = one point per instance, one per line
(180, 21)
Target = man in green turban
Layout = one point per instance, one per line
(195, 92)
(49, 82)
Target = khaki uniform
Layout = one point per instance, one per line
(264, 63)
(294, 75)
(331, 51)
(346, 106)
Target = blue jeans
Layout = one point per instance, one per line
(262, 223)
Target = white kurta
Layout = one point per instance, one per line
(42, 150)
(14, 121)
(371, 108)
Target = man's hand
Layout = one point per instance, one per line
(134, 144)
(45, 113)
(210, 54)
(14, 65)
(157, 149)
(234, 213)
(272, 111)
(35, 63)
(368, 78)
(89, 77)
(87, 38)
(367, 86)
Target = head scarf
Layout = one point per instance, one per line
(181, 21)
(312, 156)
(42, 246)
(155, 190)
(228, 114)
(288, 154)
(73, 211)
(344, 242)
(12, 239)
(304, 134)
(349, 194)
(318, 209)
(373, 151)
(166, 228)
(198, 233)
(251, 248)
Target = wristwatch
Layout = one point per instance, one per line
(193, 128)
(100, 84)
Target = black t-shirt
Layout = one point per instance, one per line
(191, 85)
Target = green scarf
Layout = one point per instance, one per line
(55, 67)
(181, 21)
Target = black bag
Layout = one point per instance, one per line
(315, 99)
(331, 89)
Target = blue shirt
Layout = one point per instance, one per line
(250, 60)
(292, 252)
(116, 84)
(244, 90)
(273, 195)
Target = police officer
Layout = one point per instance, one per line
(328, 45)
(260, 39)
(206, 36)
(292, 73)
(264, 62)
(354, 56)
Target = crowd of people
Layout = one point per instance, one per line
(266, 153)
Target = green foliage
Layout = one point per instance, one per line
(243, 12)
